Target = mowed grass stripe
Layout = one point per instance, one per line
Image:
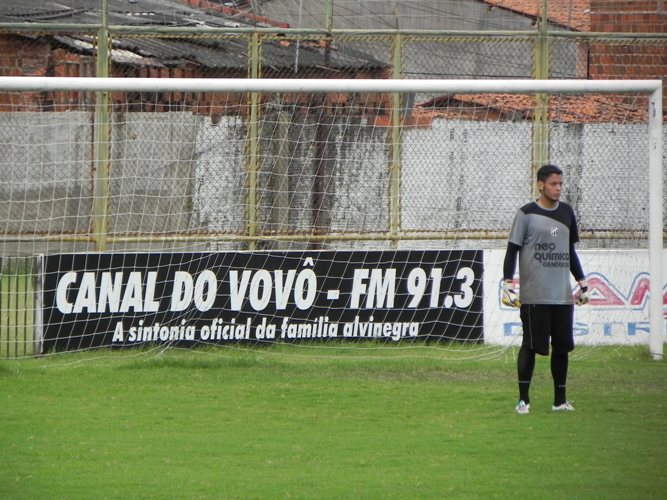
(262, 423)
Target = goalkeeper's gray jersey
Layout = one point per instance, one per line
(545, 237)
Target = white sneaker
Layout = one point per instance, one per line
(522, 408)
(564, 407)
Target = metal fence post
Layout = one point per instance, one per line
(102, 138)
(395, 143)
(37, 274)
(252, 144)
(540, 126)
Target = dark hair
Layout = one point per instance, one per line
(547, 170)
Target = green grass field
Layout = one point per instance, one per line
(329, 423)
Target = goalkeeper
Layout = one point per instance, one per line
(543, 235)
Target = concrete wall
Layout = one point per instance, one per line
(177, 172)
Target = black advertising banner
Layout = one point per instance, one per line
(129, 299)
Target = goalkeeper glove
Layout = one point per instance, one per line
(582, 296)
(509, 296)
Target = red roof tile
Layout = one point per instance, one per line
(572, 14)
(564, 109)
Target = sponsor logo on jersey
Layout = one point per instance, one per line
(547, 256)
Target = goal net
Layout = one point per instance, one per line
(356, 214)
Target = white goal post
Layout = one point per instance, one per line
(653, 89)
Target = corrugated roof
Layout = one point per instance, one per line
(121, 12)
(211, 53)
(572, 14)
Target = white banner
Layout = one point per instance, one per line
(618, 312)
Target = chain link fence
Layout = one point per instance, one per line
(181, 163)
(190, 171)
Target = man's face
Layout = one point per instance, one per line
(552, 187)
